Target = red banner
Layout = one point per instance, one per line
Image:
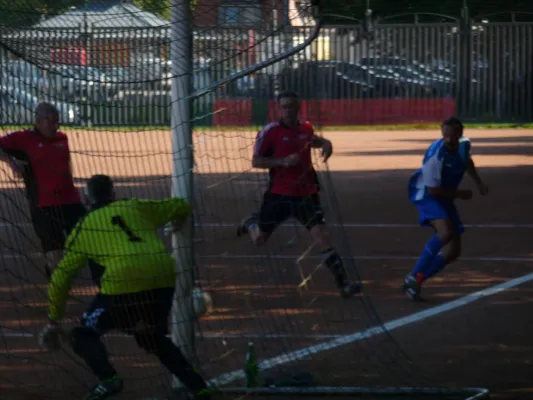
(68, 56)
(343, 112)
(372, 111)
(232, 113)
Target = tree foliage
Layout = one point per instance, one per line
(158, 7)
(23, 13)
(453, 8)
(28, 12)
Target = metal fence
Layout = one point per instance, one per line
(106, 77)
(485, 68)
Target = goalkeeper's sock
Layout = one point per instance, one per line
(431, 249)
(334, 263)
(87, 345)
(171, 357)
(436, 266)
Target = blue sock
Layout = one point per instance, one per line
(436, 266)
(431, 249)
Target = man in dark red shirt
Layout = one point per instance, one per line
(41, 156)
(284, 148)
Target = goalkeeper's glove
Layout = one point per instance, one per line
(173, 227)
(51, 336)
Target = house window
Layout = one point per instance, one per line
(231, 15)
(239, 14)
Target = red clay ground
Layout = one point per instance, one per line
(474, 345)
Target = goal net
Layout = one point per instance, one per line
(108, 68)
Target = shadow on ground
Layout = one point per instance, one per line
(261, 296)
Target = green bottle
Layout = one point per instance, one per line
(251, 370)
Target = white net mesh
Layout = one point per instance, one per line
(107, 67)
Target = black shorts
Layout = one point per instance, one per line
(53, 224)
(124, 311)
(276, 208)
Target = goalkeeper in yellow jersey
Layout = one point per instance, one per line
(136, 285)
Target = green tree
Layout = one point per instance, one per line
(159, 7)
(27, 12)
(356, 8)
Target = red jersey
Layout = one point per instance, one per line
(277, 140)
(48, 181)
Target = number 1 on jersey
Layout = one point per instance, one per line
(117, 220)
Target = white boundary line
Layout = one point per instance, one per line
(343, 340)
(345, 225)
(267, 336)
(8, 334)
(368, 333)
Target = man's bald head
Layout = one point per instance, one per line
(47, 119)
(44, 110)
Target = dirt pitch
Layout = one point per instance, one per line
(486, 343)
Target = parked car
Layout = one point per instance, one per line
(25, 75)
(328, 79)
(81, 81)
(17, 107)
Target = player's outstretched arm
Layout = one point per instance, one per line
(68, 268)
(60, 283)
(472, 171)
(324, 144)
(173, 210)
(10, 145)
(4, 156)
(11, 142)
(271, 162)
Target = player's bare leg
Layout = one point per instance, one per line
(453, 250)
(334, 262)
(250, 226)
(432, 258)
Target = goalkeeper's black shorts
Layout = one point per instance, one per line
(124, 312)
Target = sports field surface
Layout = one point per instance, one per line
(474, 330)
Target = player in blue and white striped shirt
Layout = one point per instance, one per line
(433, 190)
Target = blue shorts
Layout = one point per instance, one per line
(430, 208)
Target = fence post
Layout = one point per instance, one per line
(464, 65)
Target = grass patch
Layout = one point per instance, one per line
(424, 127)
(392, 127)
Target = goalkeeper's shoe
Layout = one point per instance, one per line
(242, 228)
(412, 288)
(105, 389)
(349, 289)
(184, 394)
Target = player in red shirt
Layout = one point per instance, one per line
(41, 156)
(284, 148)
